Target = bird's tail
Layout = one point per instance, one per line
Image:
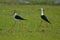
(24, 19)
(49, 22)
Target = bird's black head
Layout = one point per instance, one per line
(41, 9)
(14, 12)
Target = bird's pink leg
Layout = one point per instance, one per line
(10, 30)
(22, 26)
(46, 26)
(37, 29)
(40, 24)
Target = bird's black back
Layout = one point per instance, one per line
(18, 17)
(45, 18)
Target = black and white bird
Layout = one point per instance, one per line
(43, 17)
(17, 17)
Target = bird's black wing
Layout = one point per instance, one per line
(18, 17)
(45, 18)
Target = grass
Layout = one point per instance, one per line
(32, 14)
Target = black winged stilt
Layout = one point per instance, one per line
(17, 17)
(43, 17)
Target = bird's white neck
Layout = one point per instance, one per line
(15, 14)
(42, 13)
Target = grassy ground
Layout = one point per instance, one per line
(32, 14)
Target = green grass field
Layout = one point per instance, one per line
(32, 14)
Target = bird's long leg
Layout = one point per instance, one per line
(37, 29)
(11, 29)
(40, 24)
(22, 25)
(46, 26)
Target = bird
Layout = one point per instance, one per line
(17, 17)
(43, 17)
